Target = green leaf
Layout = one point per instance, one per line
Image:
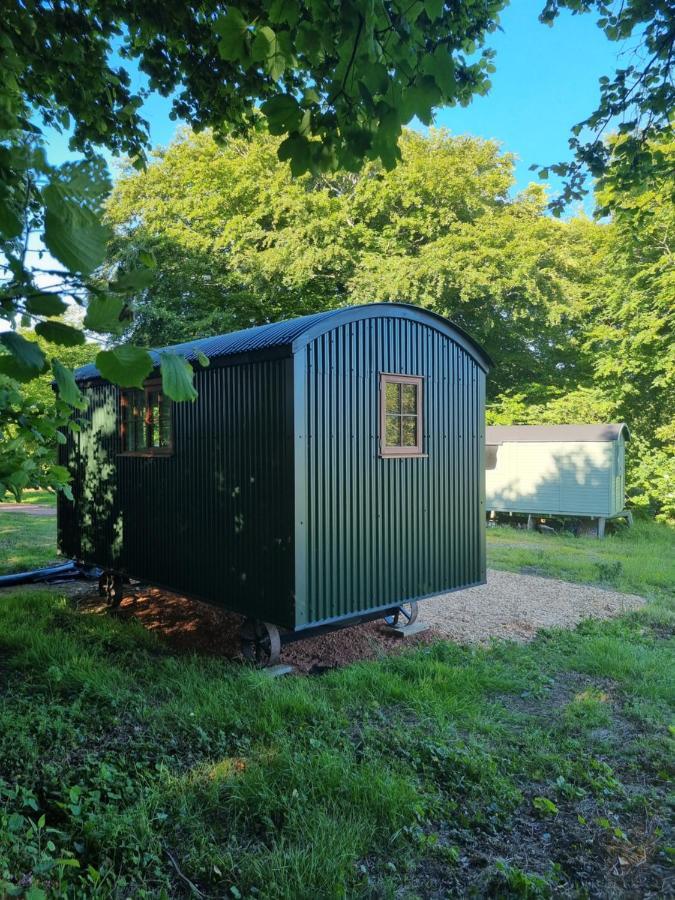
(441, 67)
(419, 100)
(68, 389)
(284, 11)
(203, 359)
(10, 223)
(376, 78)
(233, 31)
(10, 367)
(296, 149)
(103, 314)
(433, 8)
(58, 333)
(73, 234)
(44, 304)
(544, 805)
(147, 258)
(177, 377)
(135, 280)
(126, 366)
(268, 47)
(283, 113)
(27, 354)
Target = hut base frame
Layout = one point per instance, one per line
(533, 516)
(262, 642)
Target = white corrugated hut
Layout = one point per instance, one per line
(557, 470)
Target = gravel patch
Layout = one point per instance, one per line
(517, 606)
(510, 605)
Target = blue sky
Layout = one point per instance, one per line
(546, 81)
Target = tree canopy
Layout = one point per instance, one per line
(239, 241)
(335, 82)
(636, 101)
(577, 315)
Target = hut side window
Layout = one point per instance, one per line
(146, 426)
(491, 456)
(401, 426)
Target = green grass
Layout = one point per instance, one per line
(511, 771)
(638, 560)
(42, 497)
(26, 541)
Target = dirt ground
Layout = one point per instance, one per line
(29, 509)
(510, 606)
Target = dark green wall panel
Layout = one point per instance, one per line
(214, 520)
(276, 502)
(373, 531)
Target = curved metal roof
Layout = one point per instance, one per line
(296, 333)
(504, 434)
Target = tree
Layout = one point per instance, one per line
(32, 415)
(238, 241)
(633, 337)
(577, 315)
(336, 80)
(627, 337)
(637, 101)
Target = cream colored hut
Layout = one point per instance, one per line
(557, 470)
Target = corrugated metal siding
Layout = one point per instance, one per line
(371, 531)
(279, 336)
(569, 478)
(248, 340)
(215, 519)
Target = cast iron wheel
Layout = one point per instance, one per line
(260, 643)
(405, 615)
(110, 587)
(103, 584)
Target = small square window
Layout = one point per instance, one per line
(400, 415)
(146, 421)
(491, 456)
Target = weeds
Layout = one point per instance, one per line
(126, 768)
(521, 771)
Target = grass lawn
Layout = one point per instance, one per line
(27, 541)
(637, 560)
(522, 771)
(44, 498)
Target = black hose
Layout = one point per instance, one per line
(64, 572)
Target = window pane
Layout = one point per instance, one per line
(153, 418)
(409, 398)
(393, 397)
(491, 456)
(139, 421)
(134, 421)
(393, 438)
(147, 418)
(129, 433)
(164, 422)
(409, 431)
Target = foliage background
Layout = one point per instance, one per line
(577, 315)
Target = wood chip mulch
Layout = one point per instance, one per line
(190, 626)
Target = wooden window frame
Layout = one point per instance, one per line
(416, 451)
(149, 387)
